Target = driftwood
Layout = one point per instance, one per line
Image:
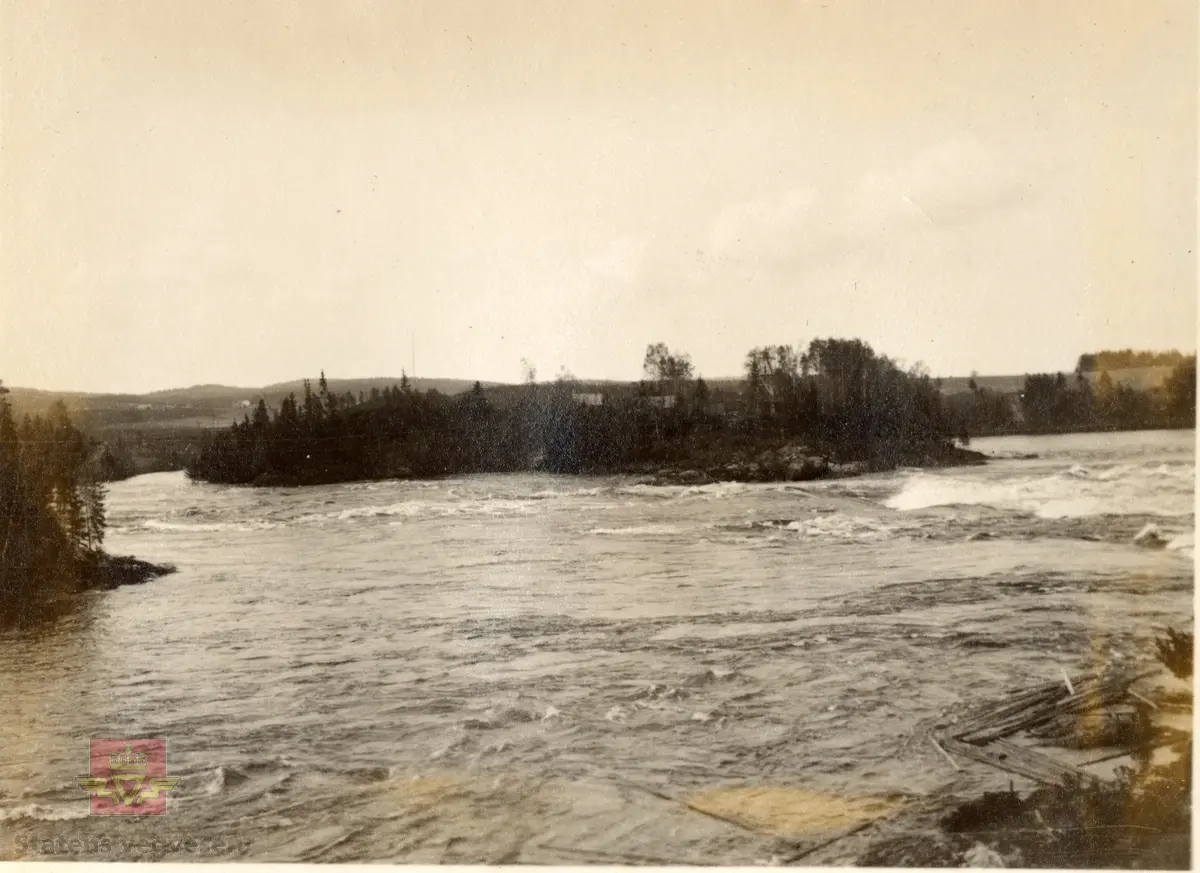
(1112, 726)
(804, 853)
(1052, 711)
(1043, 706)
(624, 858)
(949, 757)
(691, 806)
(1144, 700)
(1008, 756)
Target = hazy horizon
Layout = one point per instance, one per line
(245, 193)
(541, 378)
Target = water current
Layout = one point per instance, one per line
(522, 668)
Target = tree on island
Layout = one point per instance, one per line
(701, 396)
(837, 397)
(670, 370)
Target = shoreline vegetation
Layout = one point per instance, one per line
(834, 409)
(1088, 401)
(1108, 391)
(52, 518)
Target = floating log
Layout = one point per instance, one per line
(949, 757)
(688, 805)
(1144, 700)
(623, 858)
(1067, 679)
(1011, 758)
(804, 853)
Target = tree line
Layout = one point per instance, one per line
(52, 517)
(1055, 402)
(837, 396)
(1127, 359)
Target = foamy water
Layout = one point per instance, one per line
(495, 668)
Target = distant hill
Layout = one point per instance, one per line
(999, 384)
(198, 393)
(197, 407)
(275, 393)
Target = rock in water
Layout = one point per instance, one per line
(1150, 537)
(853, 468)
(980, 855)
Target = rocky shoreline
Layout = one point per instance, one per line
(788, 463)
(107, 572)
(795, 463)
(60, 595)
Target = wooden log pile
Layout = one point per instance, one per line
(1066, 712)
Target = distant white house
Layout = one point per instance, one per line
(589, 399)
(242, 404)
(667, 401)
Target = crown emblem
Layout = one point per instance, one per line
(128, 781)
(127, 760)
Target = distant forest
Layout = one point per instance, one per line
(1057, 403)
(1127, 359)
(837, 396)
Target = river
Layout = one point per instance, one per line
(514, 668)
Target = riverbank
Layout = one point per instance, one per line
(1122, 799)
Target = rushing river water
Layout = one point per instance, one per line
(497, 668)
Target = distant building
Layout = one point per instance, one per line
(243, 404)
(666, 401)
(589, 399)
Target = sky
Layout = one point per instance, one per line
(249, 191)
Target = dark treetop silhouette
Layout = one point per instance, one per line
(835, 402)
(52, 519)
